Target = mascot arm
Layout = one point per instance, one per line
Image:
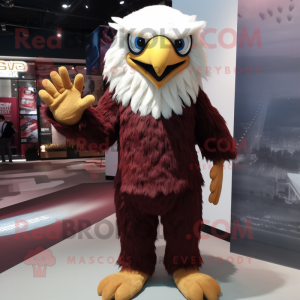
(212, 134)
(215, 142)
(97, 124)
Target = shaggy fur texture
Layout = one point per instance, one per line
(137, 220)
(211, 125)
(131, 87)
(155, 176)
(155, 155)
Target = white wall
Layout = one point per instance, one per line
(5, 88)
(218, 14)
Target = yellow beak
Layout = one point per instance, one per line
(159, 61)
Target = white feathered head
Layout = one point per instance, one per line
(157, 61)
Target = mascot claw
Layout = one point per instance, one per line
(122, 286)
(194, 285)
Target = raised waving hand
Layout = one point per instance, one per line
(64, 98)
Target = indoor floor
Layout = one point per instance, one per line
(81, 262)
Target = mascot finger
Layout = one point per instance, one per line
(214, 172)
(65, 78)
(212, 197)
(218, 194)
(57, 82)
(46, 97)
(214, 185)
(50, 88)
(86, 102)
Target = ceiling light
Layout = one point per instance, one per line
(3, 27)
(58, 31)
(66, 5)
(87, 4)
(122, 2)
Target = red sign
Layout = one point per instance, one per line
(28, 126)
(27, 96)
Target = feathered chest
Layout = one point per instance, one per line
(155, 154)
(146, 134)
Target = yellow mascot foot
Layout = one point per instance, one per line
(193, 284)
(122, 286)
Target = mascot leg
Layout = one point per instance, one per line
(182, 226)
(137, 231)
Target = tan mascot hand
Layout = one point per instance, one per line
(64, 99)
(216, 174)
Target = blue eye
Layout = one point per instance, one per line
(183, 46)
(136, 44)
(140, 43)
(179, 44)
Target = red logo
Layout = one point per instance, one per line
(40, 259)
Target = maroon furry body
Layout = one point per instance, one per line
(158, 174)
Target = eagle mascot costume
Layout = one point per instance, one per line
(157, 111)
